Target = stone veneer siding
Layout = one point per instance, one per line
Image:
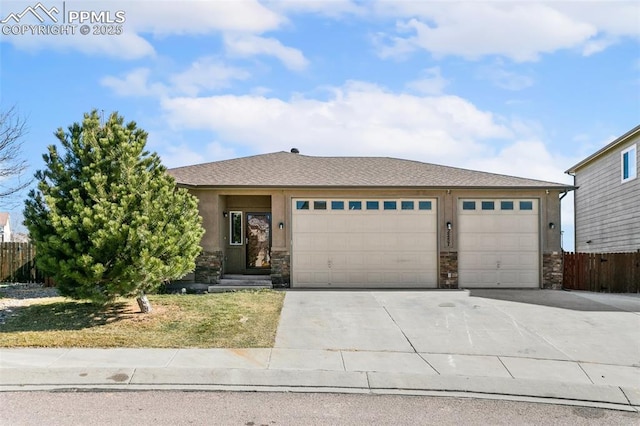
(208, 267)
(280, 269)
(552, 271)
(448, 265)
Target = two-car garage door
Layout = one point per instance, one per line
(385, 243)
(364, 243)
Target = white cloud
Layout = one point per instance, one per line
(358, 119)
(204, 75)
(155, 18)
(431, 84)
(135, 83)
(165, 17)
(499, 76)
(125, 46)
(250, 45)
(521, 31)
(330, 8)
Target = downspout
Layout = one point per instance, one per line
(575, 233)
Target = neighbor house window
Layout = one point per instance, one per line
(629, 164)
(235, 228)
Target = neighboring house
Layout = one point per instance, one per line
(374, 223)
(5, 228)
(607, 197)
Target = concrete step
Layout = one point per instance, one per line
(241, 282)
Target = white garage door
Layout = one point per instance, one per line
(499, 243)
(364, 243)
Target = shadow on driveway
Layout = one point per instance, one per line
(577, 301)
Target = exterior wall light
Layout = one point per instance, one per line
(281, 225)
(552, 225)
(449, 226)
(225, 213)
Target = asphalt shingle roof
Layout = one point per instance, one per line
(284, 169)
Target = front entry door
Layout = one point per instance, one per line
(258, 240)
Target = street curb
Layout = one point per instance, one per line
(199, 379)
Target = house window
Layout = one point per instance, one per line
(355, 205)
(526, 205)
(488, 205)
(319, 205)
(468, 205)
(372, 205)
(235, 228)
(424, 205)
(390, 205)
(337, 205)
(407, 205)
(302, 205)
(506, 205)
(629, 164)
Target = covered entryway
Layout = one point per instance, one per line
(372, 243)
(247, 235)
(499, 243)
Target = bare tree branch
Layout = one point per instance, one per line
(12, 166)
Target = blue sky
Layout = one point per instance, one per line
(516, 87)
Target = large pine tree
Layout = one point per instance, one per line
(107, 219)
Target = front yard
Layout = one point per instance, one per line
(245, 319)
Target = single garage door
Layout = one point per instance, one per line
(364, 243)
(499, 243)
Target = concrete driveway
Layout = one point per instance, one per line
(457, 327)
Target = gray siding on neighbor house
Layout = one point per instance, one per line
(607, 211)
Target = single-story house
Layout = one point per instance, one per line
(370, 222)
(607, 197)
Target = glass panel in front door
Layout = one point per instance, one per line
(258, 240)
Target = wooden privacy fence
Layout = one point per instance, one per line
(17, 263)
(602, 272)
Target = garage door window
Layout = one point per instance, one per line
(488, 205)
(390, 205)
(407, 205)
(506, 205)
(372, 205)
(337, 205)
(355, 205)
(424, 205)
(468, 205)
(526, 205)
(319, 205)
(302, 205)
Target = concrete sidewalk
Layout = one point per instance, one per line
(512, 345)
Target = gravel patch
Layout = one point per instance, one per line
(16, 295)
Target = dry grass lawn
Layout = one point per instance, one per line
(245, 319)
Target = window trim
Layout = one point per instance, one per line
(632, 163)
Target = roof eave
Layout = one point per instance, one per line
(605, 149)
(558, 187)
